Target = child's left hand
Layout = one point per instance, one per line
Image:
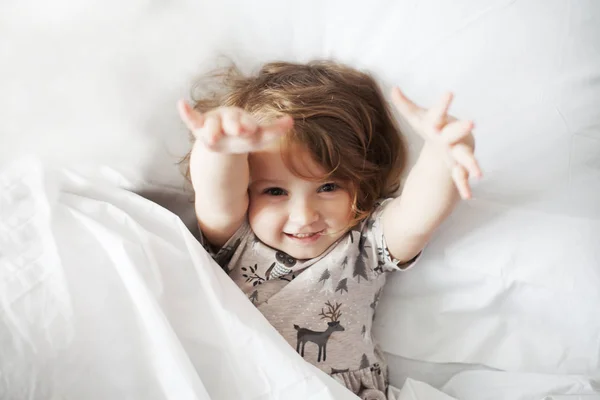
(451, 136)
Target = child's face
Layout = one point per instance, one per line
(297, 216)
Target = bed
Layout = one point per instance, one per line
(106, 293)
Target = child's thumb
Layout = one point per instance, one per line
(278, 127)
(192, 118)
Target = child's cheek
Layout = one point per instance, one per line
(261, 211)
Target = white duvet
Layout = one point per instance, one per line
(105, 295)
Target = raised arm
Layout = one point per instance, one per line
(220, 184)
(219, 165)
(436, 182)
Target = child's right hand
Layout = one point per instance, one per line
(231, 129)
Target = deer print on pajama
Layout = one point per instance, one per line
(320, 338)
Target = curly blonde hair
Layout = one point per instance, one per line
(340, 116)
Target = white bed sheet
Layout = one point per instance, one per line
(487, 293)
(477, 382)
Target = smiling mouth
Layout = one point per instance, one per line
(304, 235)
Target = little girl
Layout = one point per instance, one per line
(294, 170)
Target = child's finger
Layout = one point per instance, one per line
(230, 122)
(248, 123)
(192, 118)
(455, 131)
(404, 105)
(278, 127)
(212, 130)
(438, 114)
(461, 181)
(464, 156)
(272, 131)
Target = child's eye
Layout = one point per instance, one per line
(275, 191)
(328, 187)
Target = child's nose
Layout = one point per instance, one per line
(303, 213)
